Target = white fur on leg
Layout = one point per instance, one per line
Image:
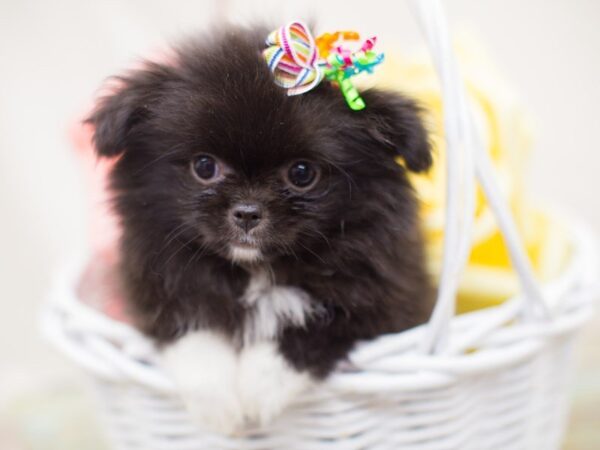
(267, 382)
(204, 366)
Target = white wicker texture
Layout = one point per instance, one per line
(492, 379)
(501, 383)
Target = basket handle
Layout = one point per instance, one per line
(466, 160)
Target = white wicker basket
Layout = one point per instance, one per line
(492, 379)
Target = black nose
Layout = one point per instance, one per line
(246, 216)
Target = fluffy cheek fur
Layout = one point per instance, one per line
(245, 330)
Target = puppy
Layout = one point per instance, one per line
(263, 235)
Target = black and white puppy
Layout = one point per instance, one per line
(263, 235)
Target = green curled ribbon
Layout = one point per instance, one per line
(342, 64)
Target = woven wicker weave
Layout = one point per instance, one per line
(501, 383)
(492, 379)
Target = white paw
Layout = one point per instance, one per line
(267, 383)
(204, 366)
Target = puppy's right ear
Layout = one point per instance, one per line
(117, 114)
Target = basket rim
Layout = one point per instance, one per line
(118, 352)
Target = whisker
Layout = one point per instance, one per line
(287, 248)
(349, 178)
(320, 233)
(198, 253)
(174, 233)
(173, 151)
(310, 251)
(179, 249)
(166, 245)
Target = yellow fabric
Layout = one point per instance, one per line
(489, 278)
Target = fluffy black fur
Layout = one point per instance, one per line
(352, 242)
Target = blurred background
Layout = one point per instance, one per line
(54, 56)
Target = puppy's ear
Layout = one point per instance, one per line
(395, 123)
(117, 114)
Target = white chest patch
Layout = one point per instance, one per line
(271, 307)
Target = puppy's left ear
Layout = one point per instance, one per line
(395, 123)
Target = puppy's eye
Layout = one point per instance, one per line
(206, 169)
(302, 175)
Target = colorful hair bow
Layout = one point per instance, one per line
(292, 57)
(299, 62)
